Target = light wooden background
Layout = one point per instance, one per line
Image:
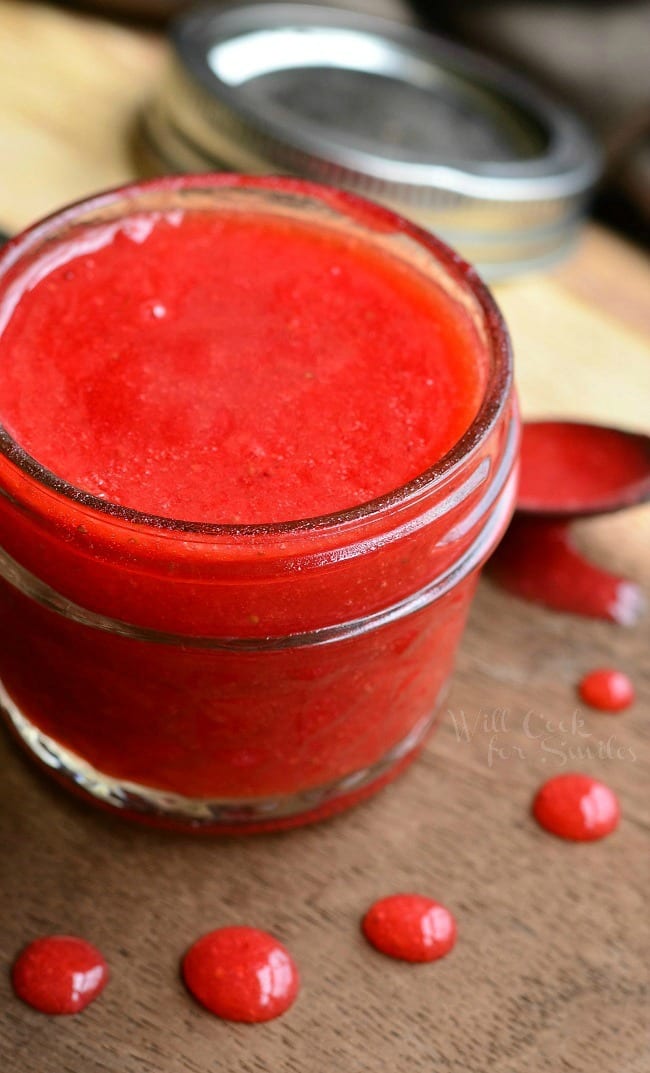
(551, 969)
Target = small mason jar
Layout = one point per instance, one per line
(249, 677)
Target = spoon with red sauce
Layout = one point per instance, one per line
(572, 470)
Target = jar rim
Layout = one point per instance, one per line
(495, 395)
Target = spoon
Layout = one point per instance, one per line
(571, 469)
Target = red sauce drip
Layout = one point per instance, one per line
(538, 561)
(241, 974)
(410, 927)
(609, 690)
(59, 974)
(574, 468)
(576, 807)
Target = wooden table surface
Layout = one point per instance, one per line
(550, 972)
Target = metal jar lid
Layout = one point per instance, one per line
(440, 134)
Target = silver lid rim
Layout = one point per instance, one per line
(497, 257)
(567, 168)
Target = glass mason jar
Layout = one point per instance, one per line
(258, 676)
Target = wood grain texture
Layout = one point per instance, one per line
(550, 973)
(70, 90)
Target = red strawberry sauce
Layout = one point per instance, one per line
(188, 384)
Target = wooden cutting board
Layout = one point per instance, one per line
(551, 968)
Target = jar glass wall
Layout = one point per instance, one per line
(253, 676)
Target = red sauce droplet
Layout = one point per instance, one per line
(573, 468)
(577, 807)
(608, 690)
(537, 561)
(59, 974)
(241, 974)
(410, 927)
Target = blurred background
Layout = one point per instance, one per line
(592, 54)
